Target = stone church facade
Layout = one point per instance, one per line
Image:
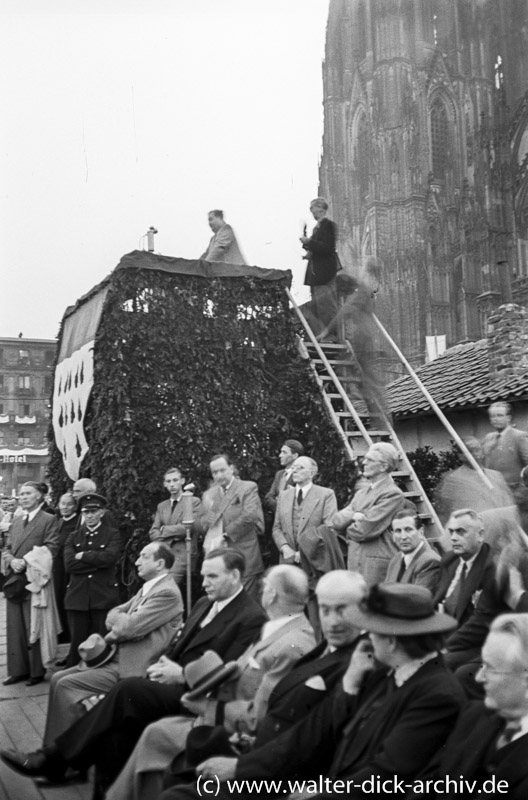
(425, 159)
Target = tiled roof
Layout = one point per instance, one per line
(456, 379)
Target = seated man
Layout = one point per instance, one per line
(142, 628)
(465, 573)
(226, 621)
(392, 711)
(305, 685)
(490, 739)
(416, 561)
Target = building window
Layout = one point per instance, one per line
(23, 409)
(2, 438)
(1, 408)
(24, 437)
(24, 382)
(49, 357)
(47, 383)
(1, 381)
(23, 355)
(362, 158)
(439, 139)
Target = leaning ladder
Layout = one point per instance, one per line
(348, 421)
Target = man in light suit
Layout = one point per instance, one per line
(506, 450)
(168, 524)
(238, 704)
(302, 510)
(33, 528)
(416, 562)
(142, 628)
(289, 452)
(232, 517)
(223, 245)
(226, 621)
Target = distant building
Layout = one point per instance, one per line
(425, 159)
(464, 382)
(26, 376)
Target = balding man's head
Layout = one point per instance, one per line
(338, 594)
(83, 486)
(284, 590)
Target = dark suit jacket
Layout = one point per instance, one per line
(92, 579)
(229, 634)
(508, 454)
(470, 752)
(242, 519)
(291, 699)
(481, 574)
(398, 738)
(42, 530)
(168, 528)
(270, 500)
(322, 266)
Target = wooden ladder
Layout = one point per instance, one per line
(336, 372)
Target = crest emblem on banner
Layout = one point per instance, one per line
(73, 384)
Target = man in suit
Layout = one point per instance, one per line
(392, 711)
(168, 524)
(91, 554)
(142, 628)
(232, 517)
(289, 452)
(416, 561)
(300, 529)
(227, 620)
(241, 703)
(33, 528)
(314, 676)
(465, 571)
(223, 245)
(490, 740)
(368, 516)
(506, 450)
(322, 266)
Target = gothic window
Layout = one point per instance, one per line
(361, 159)
(439, 138)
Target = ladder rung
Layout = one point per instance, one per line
(333, 362)
(359, 435)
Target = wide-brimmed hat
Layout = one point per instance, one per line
(206, 672)
(92, 500)
(95, 652)
(401, 609)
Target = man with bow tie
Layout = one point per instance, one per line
(232, 517)
(33, 528)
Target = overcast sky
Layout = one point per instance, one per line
(121, 114)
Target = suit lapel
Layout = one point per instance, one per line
(308, 505)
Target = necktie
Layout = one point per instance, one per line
(512, 727)
(299, 497)
(451, 602)
(401, 570)
(174, 503)
(26, 519)
(213, 611)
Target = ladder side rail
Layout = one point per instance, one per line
(442, 537)
(335, 419)
(328, 367)
(441, 416)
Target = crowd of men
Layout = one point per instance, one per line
(364, 659)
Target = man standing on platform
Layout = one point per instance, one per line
(33, 528)
(223, 245)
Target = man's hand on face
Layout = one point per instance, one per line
(165, 671)
(362, 661)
